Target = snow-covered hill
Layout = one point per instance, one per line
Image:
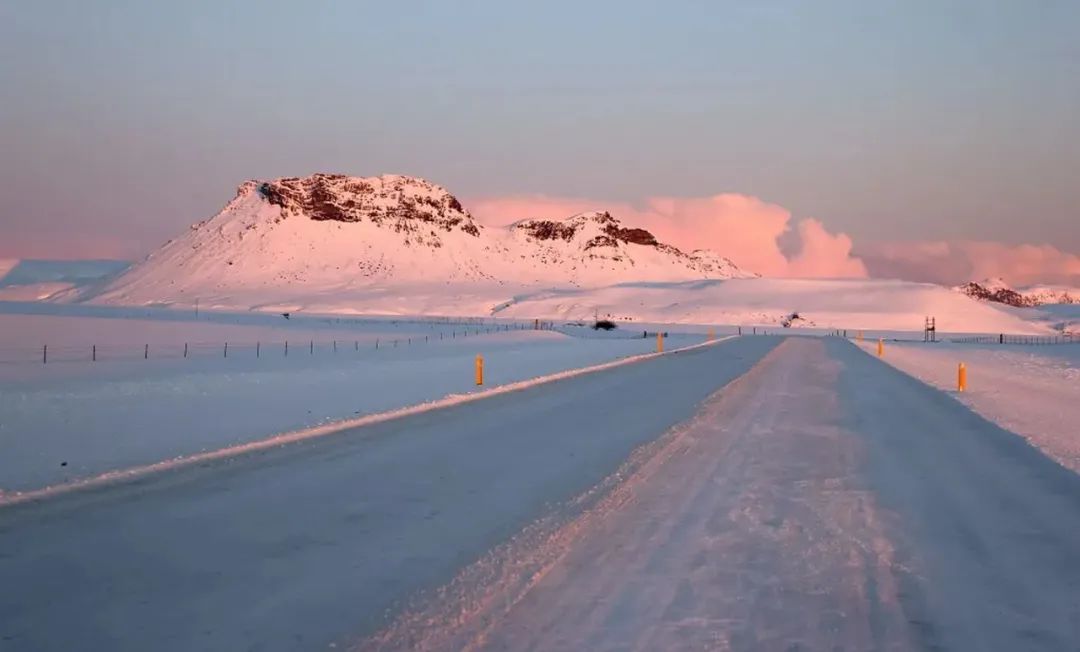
(1043, 295)
(998, 291)
(398, 245)
(342, 243)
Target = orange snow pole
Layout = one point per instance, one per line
(659, 342)
(711, 335)
(880, 348)
(479, 369)
(961, 378)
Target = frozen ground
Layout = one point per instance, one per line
(120, 333)
(69, 420)
(822, 501)
(1033, 391)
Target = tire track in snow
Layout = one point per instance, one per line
(744, 528)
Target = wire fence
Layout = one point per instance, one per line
(284, 348)
(1037, 340)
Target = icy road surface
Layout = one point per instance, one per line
(824, 500)
(314, 543)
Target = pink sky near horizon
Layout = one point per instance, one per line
(797, 138)
(757, 235)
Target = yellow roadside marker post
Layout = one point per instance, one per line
(961, 378)
(659, 342)
(880, 348)
(479, 369)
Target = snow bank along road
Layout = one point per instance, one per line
(63, 427)
(1033, 391)
(302, 546)
(824, 500)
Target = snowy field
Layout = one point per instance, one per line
(73, 419)
(1033, 391)
(870, 304)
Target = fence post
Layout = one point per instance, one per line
(44, 354)
(146, 352)
(185, 349)
(93, 353)
(226, 350)
(286, 348)
(376, 343)
(335, 346)
(257, 347)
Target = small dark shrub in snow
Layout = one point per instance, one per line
(604, 324)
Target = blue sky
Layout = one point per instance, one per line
(123, 120)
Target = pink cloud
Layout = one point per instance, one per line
(741, 227)
(957, 262)
(824, 254)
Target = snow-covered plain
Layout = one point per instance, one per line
(1033, 391)
(68, 420)
(1063, 318)
(871, 304)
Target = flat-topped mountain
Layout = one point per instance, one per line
(326, 233)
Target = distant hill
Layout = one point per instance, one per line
(34, 280)
(998, 291)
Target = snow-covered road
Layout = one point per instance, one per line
(824, 500)
(298, 547)
(747, 528)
